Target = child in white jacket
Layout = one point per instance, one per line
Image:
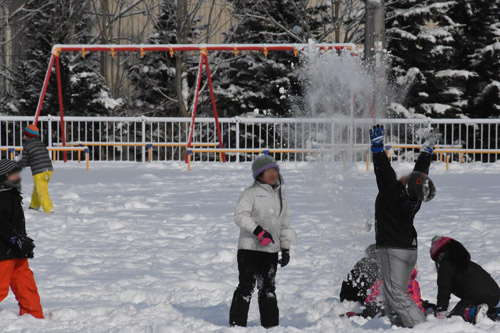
(264, 218)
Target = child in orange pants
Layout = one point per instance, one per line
(16, 274)
(15, 246)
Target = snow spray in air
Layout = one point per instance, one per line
(338, 86)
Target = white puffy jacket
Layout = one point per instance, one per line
(260, 205)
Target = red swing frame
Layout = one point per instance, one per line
(171, 49)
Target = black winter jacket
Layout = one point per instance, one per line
(472, 283)
(12, 222)
(394, 211)
(359, 280)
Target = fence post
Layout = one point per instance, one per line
(143, 119)
(49, 123)
(237, 122)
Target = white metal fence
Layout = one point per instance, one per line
(127, 138)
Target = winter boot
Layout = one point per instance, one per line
(475, 313)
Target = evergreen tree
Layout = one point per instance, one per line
(253, 82)
(445, 55)
(483, 28)
(153, 77)
(84, 89)
(426, 58)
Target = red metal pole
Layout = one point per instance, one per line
(221, 145)
(59, 90)
(372, 112)
(44, 89)
(197, 94)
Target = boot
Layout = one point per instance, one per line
(475, 313)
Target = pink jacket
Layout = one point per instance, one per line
(375, 291)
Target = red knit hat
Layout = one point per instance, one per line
(438, 242)
(31, 131)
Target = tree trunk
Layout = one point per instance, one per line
(180, 59)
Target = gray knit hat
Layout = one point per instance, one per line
(262, 163)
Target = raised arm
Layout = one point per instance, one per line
(386, 177)
(424, 159)
(423, 162)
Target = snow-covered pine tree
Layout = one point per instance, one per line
(84, 89)
(482, 26)
(427, 54)
(153, 77)
(253, 82)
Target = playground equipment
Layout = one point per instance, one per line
(12, 151)
(171, 49)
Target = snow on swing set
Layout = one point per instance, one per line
(171, 49)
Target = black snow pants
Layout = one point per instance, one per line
(459, 309)
(260, 267)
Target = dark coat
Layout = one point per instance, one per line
(359, 280)
(36, 156)
(394, 210)
(460, 276)
(12, 222)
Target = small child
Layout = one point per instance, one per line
(375, 299)
(397, 203)
(364, 285)
(263, 215)
(363, 275)
(457, 274)
(15, 246)
(36, 156)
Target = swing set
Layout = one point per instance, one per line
(171, 49)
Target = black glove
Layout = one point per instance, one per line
(429, 307)
(285, 258)
(23, 245)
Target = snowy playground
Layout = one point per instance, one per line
(152, 248)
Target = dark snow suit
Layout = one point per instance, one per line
(396, 239)
(261, 267)
(359, 280)
(473, 286)
(14, 269)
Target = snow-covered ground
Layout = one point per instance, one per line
(152, 248)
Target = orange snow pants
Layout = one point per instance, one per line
(16, 274)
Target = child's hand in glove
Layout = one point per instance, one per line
(441, 314)
(285, 258)
(377, 138)
(263, 236)
(430, 141)
(23, 244)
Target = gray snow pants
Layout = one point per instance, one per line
(397, 266)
